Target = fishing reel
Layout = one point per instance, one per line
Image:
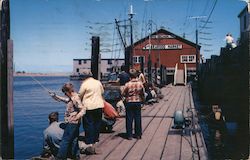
(180, 122)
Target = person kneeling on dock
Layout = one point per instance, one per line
(109, 117)
(52, 136)
(74, 111)
(134, 94)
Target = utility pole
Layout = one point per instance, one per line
(131, 14)
(196, 41)
(149, 52)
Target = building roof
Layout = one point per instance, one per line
(88, 59)
(168, 33)
(244, 10)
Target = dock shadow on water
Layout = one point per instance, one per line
(226, 138)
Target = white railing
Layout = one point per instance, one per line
(175, 73)
(185, 74)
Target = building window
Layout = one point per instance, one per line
(109, 69)
(77, 70)
(138, 59)
(79, 62)
(188, 59)
(109, 61)
(84, 61)
(245, 22)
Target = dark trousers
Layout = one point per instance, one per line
(92, 121)
(69, 141)
(133, 113)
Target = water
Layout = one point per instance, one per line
(32, 104)
(224, 139)
(227, 140)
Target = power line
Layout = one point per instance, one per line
(210, 14)
(204, 44)
(205, 38)
(205, 33)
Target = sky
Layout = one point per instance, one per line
(49, 34)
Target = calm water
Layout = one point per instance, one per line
(32, 104)
(225, 139)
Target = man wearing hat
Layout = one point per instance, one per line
(91, 92)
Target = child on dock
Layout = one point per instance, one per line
(74, 112)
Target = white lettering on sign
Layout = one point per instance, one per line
(162, 36)
(166, 46)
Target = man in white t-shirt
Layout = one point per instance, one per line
(229, 40)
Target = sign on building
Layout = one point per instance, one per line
(166, 46)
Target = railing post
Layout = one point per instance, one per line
(161, 75)
(156, 73)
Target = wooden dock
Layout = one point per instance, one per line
(159, 140)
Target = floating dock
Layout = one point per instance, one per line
(159, 139)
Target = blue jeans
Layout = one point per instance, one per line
(133, 112)
(69, 141)
(92, 121)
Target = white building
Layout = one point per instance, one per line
(244, 17)
(79, 65)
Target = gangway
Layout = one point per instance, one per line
(180, 75)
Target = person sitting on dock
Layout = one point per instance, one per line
(74, 112)
(134, 96)
(121, 107)
(91, 92)
(52, 136)
(141, 77)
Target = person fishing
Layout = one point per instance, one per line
(73, 114)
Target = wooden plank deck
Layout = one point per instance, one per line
(159, 140)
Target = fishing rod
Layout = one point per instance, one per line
(45, 88)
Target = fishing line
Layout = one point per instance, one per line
(46, 89)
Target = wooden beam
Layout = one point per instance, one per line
(10, 99)
(6, 83)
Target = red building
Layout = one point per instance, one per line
(167, 49)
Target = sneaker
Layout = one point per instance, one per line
(90, 150)
(129, 138)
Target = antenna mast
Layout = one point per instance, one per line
(131, 14)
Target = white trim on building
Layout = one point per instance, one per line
(188, 59)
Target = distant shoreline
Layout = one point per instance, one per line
(41, 74)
